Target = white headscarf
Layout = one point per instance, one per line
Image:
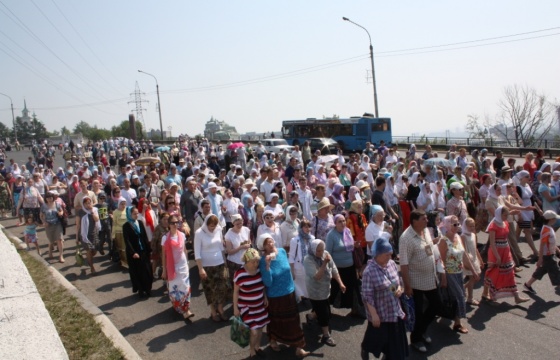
(497, 218)
(414, 179)
(85, 221)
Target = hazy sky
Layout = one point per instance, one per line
(256, 63)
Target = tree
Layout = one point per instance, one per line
(34, 130)
(82, 128)
(123, 130)
(525, 117)
(5, 132)
(475, 128)
(64, 131)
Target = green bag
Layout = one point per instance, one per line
(239, 332)
(79, 258)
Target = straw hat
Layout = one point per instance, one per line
(324, 203)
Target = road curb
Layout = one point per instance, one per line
(109, 329)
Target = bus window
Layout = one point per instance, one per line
(380, 127)
(287, 131)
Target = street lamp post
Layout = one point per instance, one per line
(372, 66)
(159, 103)
(13, 117)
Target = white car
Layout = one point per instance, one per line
(276, 145)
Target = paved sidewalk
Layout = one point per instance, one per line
(26, 328)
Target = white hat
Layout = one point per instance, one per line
(212, 185)
(261, 240)
(455, 186)
(236, 217)
(272, 195)
(249, 182)
(549, 215)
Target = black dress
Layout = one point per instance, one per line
(140, 270)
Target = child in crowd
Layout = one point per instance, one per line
(469, 243)
(547, 263)
(104, 218)
(30, 234)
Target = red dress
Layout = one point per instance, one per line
(500, 279)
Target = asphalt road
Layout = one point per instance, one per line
(500, 331)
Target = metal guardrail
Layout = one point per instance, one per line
(488, 142)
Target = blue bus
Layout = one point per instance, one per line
(351, 134)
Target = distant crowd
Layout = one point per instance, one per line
(390, 235)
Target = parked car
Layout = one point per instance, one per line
(276, 145)
(325, 145)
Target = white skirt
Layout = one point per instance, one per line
(299, 282)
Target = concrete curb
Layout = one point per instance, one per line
(107, 326)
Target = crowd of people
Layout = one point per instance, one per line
(268, 231)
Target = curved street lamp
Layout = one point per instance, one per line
(159, 103)
(372, 66)
(13, 117)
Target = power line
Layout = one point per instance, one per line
(87, 45)
(22, 25)
(468, 42)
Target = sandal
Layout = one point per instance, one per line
(216, 318)
(223, 317)
(460, 329)
(473, 302)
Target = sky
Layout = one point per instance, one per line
(256, 63)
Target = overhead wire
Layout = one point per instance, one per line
(89, 47)
(22, 25)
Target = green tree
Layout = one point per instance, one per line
(123, 130)
(82, 128)
(64, 131)
(5, 132)
(34, 130)
(96, 134)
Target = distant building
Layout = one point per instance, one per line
(25, 118)
(219, 130)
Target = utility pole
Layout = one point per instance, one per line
(13, 117)
(159, 103)
(139, 109)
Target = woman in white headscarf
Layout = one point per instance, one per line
(89, 228)
(299, 245)
(289, 228)
(499, 280)
(413, 190)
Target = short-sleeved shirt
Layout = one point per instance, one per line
(417, 253)
(548, 238)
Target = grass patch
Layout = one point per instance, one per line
(81, 335)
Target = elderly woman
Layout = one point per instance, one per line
(323, 222)
(377, 228)
(249, 299)
(30, 201)
(270, 227)
(176, 268)
(148, 217)
(289, 228)
(340, 245)
(5, 197)
(337, 198)
(137, 253)
(499, 280)
(298, 250)
(208, 248)
(381, 290)
(284, 326)
(237, 241)
(456, 205)
(89, 229)
(454, 259)
(50, 213)
(319, 271)
(119, 219)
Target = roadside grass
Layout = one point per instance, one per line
(81, 335)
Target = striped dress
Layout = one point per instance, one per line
(251, 299)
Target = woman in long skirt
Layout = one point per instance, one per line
(176, 268)
(119, 219)
(500, 276)
(138, 253)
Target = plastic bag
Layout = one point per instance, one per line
(407, 304)
(79, 258)
(239, 332)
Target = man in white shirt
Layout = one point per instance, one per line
(128, 193)
(268, 184)
(305, 197)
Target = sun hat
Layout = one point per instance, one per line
(324, 203)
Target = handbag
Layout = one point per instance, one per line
(448, 308)
(79, 258)
(407, 305)
(239, 332)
